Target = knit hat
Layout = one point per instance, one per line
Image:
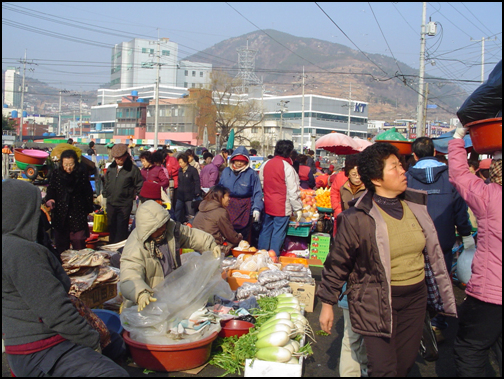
(119, 150)
(485, 164)
(240, 158)
(151, 190)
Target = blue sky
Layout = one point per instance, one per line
(72, 65)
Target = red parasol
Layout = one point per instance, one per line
(337, 143)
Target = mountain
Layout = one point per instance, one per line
(331, 67)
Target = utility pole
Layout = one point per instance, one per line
(283, 108)
(157, 99)
(420, 106)
(302, 116)
(59, 113)
(483, 55)
(349, 109)
(22, 97)
(424, 122)
(80, 114)
(262, 120)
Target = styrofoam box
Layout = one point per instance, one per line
(265, 369)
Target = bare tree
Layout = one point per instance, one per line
(233, 111)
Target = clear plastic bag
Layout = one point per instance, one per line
(249, 265)
(228, 263)
(301, 279)
(299, 273)
(271, 276)
(182, 292)
(276, 285)
(279, 291)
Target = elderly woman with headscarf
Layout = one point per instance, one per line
(246, 192)
(480, 323)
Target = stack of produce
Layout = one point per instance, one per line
(279, 331)
(323, 198)
(309, 206)
(88, 269)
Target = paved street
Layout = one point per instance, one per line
(324, 362)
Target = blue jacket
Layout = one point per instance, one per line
(244, 184)
(444, 204)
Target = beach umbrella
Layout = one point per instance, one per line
(337, 143)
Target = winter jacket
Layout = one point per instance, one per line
(306, 178)
(281, 187)
(35, 305)
(209, 176)
(347, 196)
(446, 208)
(155, 174)
(214, 219)
(73, 199)
(360, 255)
(173, 166)
(189, 184)
(485, 200)
(140, 269)
(122, 187)
(245, 184)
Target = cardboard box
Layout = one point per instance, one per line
(95, 297)
(319, 248)
(305, 293)
(234, 283)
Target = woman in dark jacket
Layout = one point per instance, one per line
(353, 187)
(387, 249)
(213, 218)
(189, 188)
(70, 196)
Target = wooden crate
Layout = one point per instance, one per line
(95, 297)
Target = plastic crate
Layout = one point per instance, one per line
(300, 231)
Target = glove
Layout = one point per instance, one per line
(468, 242)
(217, 251)
(98, 349)
(50, 204)
(144, 299)
(256, 215)
(298, 215)
(460, 132)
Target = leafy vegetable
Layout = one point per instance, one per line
(321, 333)
(147, 371)
(230, 353)
(306, 349)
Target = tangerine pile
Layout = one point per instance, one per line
(323, 198)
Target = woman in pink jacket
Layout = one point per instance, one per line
(480, 316)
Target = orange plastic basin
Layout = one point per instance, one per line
(170, 357)
(486, 135)
(403, 146)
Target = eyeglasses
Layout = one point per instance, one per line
(354, 175)
(69, 165)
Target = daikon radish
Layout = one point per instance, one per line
(276, 339)
(274, 354)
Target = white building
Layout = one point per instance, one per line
(12, 87)
(193, 74)
(134, 64)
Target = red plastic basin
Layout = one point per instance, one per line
(170, 357)
(486, 135)
(234, 328)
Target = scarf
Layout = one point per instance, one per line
(238, 170)
(496, 171)
(354, 188)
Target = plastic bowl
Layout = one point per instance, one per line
(234, 328)
(170, 357)
(111, 319)
(403, 146)
(35, 153)
(486, 135)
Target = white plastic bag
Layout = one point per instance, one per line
(464, 264)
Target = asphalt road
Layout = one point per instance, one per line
(325, 360)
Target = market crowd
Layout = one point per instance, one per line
(389, 264)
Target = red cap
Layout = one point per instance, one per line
(240, 158)
(317, 164)
(331, 167)
(151, 190)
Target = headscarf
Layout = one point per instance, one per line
(496, 171)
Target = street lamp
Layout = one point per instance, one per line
(283, 105)
(217, 139)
